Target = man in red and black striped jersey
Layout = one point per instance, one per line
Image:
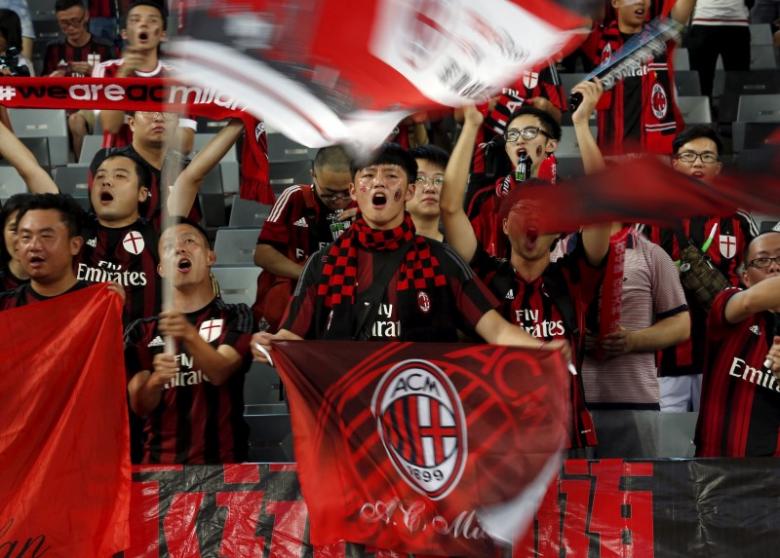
(49, 240)
(531, 136)
(144, 31)
(193, 400)
(76, 54)
(381, 281)
(120, 245)
(740, 403)
(723, 240)
(305, 218)
(641, 111)
(549, 300)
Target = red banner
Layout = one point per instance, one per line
(425, 448)
(64, 442)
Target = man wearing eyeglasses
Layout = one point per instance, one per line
(424, 205)
(740, 404)
(723, 240)
(76, 55)
(304, 218)
(531, 134)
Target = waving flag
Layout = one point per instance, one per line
(424, 448)
(326, 71)
(64, 441)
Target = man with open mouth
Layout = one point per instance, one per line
(382, 281)
(192, 398)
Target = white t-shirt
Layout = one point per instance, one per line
(720, 12)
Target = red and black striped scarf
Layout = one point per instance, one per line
(419, 268)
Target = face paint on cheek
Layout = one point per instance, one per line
(363, 188)
(397, 196)
(539, 151)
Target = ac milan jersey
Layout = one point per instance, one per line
(25, 294)
(102, 8)
(128, 256)
(9, 281)
(196, 421)
(94, 52)
(431, 314)
(732, 234)
(551, 307)
(740, 401)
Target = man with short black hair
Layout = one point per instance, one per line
(722, 240)
(192, 401)
(304, 218)
(424, 205)
(740, 402)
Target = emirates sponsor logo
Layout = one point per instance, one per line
(108, 272)
(743, 371)
(187, 376)
(422, 425)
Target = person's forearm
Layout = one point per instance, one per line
(16, 153)
(216, 366)
(494, 329)
(145, 396)
(270, 259)
(662, 334)
(758, 298)
(682, 10)
(185, 140)
(112, 120)
(592, 159)
(28, 46)
(595, 240)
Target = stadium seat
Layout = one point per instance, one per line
(568, 146)
(695, 110)
(681, 60)
(51, 124)
(281, 149)
(262, 385)
(236, 246)
(72, 180)
(687, 83)
(767, 226)
(759, 108)
(676, 432)
(231, 176)
(270, 436)
(762, 57)
(749, 160)
(738, 84)
(287, 173)
(760, 34)
(90, 146)
(202, 139)
(237, 283)
(10, 183)
(570, 167)
(40, 148)
(248, 213)
(570, 80)
(208, 126)
(749, 135)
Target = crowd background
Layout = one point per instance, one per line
(732, 103)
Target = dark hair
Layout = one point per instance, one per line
(746, 253)
(62, 5)
(176, 221)
(141, 167)
(549, 123)
(13, 203)
(695, 132)
(332, 156)
(431, 153)
(11, 28)
(389, 154)
(159, 4)
(70, 211)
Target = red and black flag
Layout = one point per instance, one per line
(424, 448)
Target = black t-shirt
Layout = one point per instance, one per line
(25, 294)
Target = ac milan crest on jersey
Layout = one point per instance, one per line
(658, 101)
(133, 242)
(728, 245)
(423, 302)
(211, 329)
(530, 79)
(422, 426)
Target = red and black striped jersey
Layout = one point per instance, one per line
(554, 306)
(196, 421)
(128, 256)
(732, 234)
(59, 53)
(103, 8)
(9, 281)
(25, 294)
(740, 401)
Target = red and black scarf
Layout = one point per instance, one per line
(419, 268)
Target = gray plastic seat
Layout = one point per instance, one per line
(236, 246)
(238, 284)
(248, 213)
(759, 108)
(10, 183)
(695, 110)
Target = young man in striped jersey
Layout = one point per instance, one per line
(305, 218)
(192, 400)
(740, 403)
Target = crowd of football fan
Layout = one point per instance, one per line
(427, 241)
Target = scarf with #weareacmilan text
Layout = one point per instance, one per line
(419, 268)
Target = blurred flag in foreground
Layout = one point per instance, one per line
(326, 71)
(436, 448)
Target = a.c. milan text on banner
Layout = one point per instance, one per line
(327, 71)
(64, 441)
(595, 509)
(434, 448)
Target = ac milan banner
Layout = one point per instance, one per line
(64, 442)
(595, 509)
(426, 448)
(327, 71)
